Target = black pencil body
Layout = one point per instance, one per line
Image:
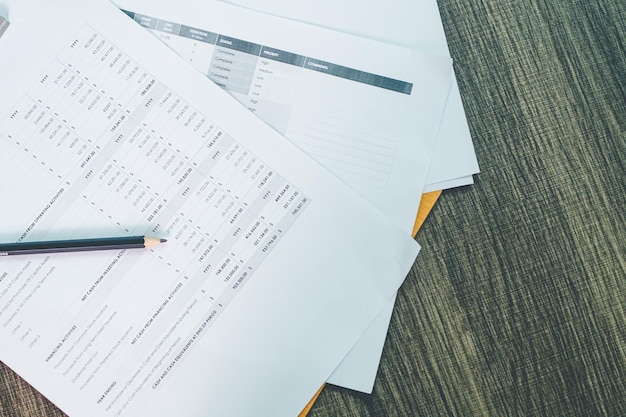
(78, 245)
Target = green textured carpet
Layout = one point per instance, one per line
(517, 304)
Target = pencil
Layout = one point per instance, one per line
(79, 245)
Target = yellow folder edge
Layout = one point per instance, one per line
(426, 205)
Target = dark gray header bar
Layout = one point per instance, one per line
(239, 45)
(358, 76)
(282, 56)
(197, 34)
(271, 53)
(168, 27)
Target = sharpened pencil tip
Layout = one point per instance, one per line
(152, 241)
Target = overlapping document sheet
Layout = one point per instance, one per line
(103, 131)
(412, 23)
(369, 112)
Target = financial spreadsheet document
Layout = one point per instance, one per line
(104, 131)
(368, 111)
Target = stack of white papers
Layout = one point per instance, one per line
(288, 233)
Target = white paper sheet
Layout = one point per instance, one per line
(413, 23)
(268, 277)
